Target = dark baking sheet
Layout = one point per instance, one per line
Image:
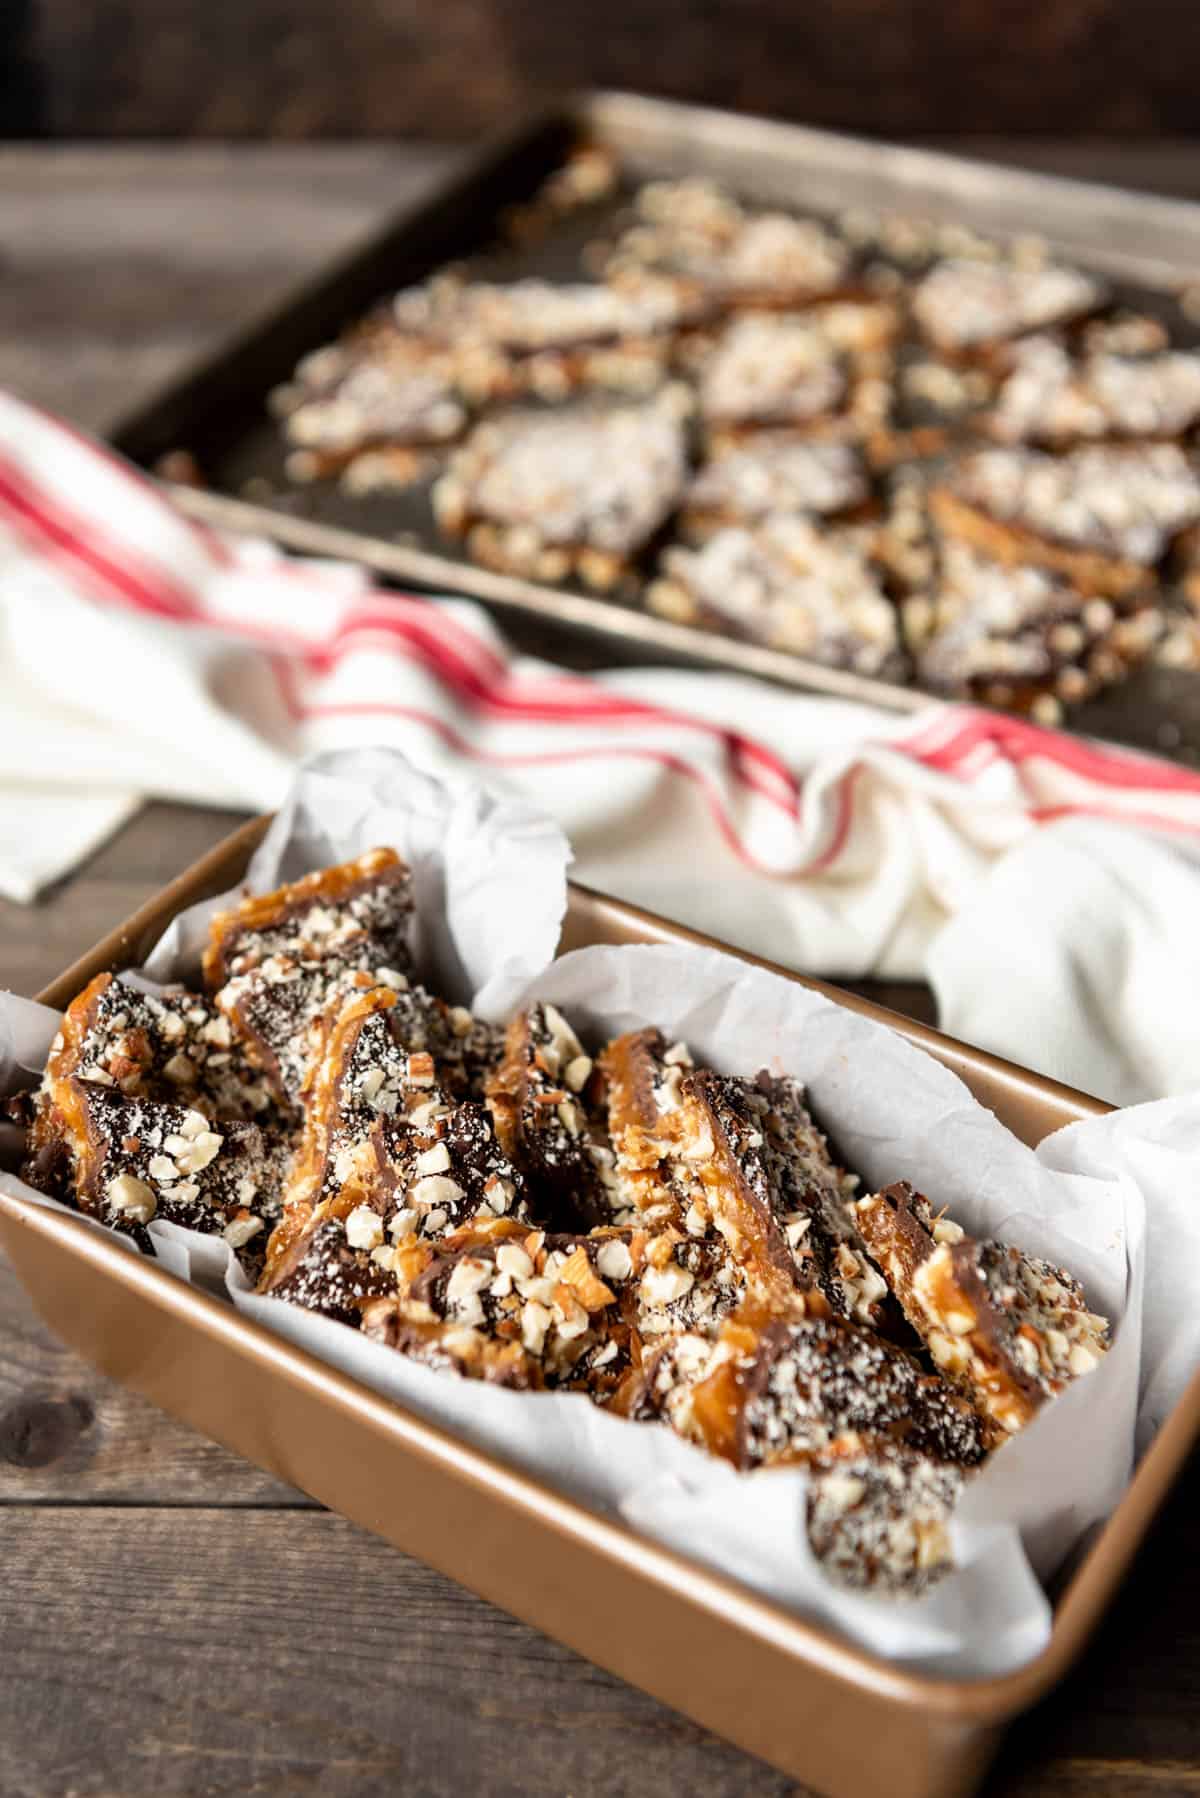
(219, 414)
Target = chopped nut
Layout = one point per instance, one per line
(700, 1146)
(425, 1115)
(577, 1272)
(435, 1160)
(572, 1319)
(468, 1279)
(577, 1071)
(364, 1228)
(535, 1321)
(569, 1118)
(436, 1189)
(512, 1259)
(132, 1198)
(196, 1153)
(842, 1491)
(613, 1260)
(538, 1288)
(564, 1044)
(239, 1231)
(669, 1091)
(662, 1286)
(181, 1070)
(498, 1194)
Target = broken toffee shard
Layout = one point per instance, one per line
(167, 1045)
(789, 584)
(136, 1160)
(541, 1097)
(276, 961)
(388, 1152)
(548, 1304)
(969, 306)
(791, 1385)
(881, 1522)
(549, 494)
(1102, 515)
(775, 473)
(1009, 1329)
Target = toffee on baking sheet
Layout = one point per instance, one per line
(819, 360)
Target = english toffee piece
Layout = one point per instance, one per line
(776, 473)
(678, 1245)
(1102, 515)
(556, 493)
(1053, 400)
(784, 582)
(1007, 1328)
(964, 306)
(277, 963)
(999, 631)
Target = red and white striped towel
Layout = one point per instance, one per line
(1048, 886)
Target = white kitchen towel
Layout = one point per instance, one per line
(1046, 885)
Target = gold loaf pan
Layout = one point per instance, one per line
(828, 1714)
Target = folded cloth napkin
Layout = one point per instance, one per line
(1045, 885)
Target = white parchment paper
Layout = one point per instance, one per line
(1111, 1198)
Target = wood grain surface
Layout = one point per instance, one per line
(172, 1621)
(305, 69)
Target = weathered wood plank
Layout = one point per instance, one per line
(154, 1652)
(70, 1436)
(150, 1653)
(121, 266)
(300, 69)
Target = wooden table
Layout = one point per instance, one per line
(172, 1620)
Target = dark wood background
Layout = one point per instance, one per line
(383, 68)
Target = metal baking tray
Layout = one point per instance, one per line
(1146, 246)
(823, 1711)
